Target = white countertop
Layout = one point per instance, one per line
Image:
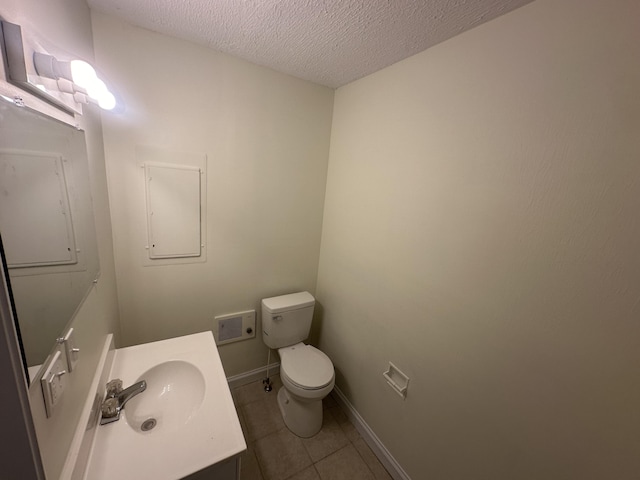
(212, 435)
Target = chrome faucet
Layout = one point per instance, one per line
(116, 399)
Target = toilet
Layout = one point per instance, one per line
(307, 373)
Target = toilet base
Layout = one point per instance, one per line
(302, 416)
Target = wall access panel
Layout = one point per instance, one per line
(175, 210)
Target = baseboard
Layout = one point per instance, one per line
(253, 375)
(380, 451)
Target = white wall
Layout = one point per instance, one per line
(481, 231)
(266, 136)
(66, 25)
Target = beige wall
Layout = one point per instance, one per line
(481, 231)
(66, 25)
(266, 136)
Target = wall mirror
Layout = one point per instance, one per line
(46, 223)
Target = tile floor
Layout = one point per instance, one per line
(337, 452)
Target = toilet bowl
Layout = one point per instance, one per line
(307, 377)
(307, 374)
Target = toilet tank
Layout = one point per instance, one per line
(286, 320)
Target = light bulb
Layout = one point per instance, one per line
(98, 90)
(82, 73)
(96, 87)
(107, 101)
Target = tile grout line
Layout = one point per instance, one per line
(245, 406)
(260, 467)
(373, 474)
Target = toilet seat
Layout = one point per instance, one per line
(306, 367)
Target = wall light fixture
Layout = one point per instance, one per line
(65, 84)
(82, 75)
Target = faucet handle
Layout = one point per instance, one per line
(114, 387)
(110, 408)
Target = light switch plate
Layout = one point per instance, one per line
(53, 382)
(70, 348)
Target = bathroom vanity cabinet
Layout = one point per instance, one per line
(226, 470)
(195, 432)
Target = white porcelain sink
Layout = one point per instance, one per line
(174, 394)
(196, 425)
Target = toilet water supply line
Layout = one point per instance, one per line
(267, 381)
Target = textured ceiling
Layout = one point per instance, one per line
(330, 42)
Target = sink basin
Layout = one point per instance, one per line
(184, 425)
(174, 394)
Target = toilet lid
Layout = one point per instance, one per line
(306, 366)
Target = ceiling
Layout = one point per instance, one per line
(329, 42)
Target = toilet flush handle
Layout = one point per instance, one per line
(277, 318)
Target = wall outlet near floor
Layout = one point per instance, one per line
(234, 327)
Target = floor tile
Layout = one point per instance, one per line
(249, 468)
(254, 391)
(347, 427)
(243, 423)
(378, 470)
(274, 453)
(281, 455)
(329, 439)
(345, 464)
(262, 417)
(307, 474)
(328, 401)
